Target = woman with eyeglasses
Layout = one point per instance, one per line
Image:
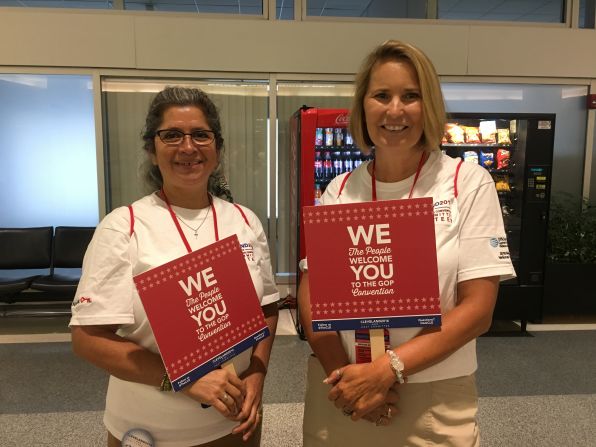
(184, 145)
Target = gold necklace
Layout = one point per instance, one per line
(195, 230)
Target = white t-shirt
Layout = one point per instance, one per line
(470, 239)
(106, 295)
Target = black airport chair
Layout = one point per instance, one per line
(21, 251)
(70, 244)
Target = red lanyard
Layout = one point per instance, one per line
(363, 351)
(374, 181)
(175, 219)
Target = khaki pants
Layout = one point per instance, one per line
(227, 441)
(441, 413)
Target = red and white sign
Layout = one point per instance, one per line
(203, 309)
(372, 265)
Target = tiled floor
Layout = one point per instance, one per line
(538, 390)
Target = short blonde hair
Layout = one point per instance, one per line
(433, 105)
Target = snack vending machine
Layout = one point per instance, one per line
(517, 150)
(321, 148)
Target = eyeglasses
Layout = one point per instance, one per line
(173, 136)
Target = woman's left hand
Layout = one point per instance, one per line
(360, 388)
(381, 416)
(250, 414)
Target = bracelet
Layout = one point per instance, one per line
(165, 385)
(397, 366)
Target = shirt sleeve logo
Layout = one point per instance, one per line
(81, 300)
(247, 251)
(442, 209)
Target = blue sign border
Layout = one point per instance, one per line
(377, 322)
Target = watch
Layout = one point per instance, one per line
(396, 365)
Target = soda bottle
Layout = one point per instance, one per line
(339, 137)
(357, 158)
(327, 167)
(349, 140)
(318, 165)
(328, 136)
(318, 194)
(337, 163)
(319, 136)
(348, 162)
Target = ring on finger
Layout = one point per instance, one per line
(225, 397)
(379, 420)
(338, 373)
(346, 411)
(388, 414)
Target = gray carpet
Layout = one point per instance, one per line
(535, 391)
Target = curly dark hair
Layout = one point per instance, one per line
(182, 96)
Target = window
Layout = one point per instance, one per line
(284, 10)
(240, 7)
(367, 8)
(48, 168)
(546, 11)
(79, 4)
(587, 13)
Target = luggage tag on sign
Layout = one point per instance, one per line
(137, 437)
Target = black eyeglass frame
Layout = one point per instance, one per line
(159, 133)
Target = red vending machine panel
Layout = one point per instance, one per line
(321, 148)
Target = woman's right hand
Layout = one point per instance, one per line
(221, 389)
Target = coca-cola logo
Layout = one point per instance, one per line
(342, 119)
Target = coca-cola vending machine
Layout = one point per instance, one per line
(321, 148)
